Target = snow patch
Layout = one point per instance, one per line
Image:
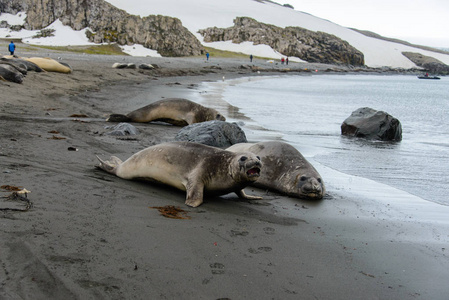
(63, 36)
(139, 50)
(18, 19)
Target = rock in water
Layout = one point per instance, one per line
(371, 124)
(213, 133)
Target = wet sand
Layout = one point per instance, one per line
(90, 235)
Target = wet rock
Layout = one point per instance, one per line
(213, 133)
(123, 129)
(371, 124)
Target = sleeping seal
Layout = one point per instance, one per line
(285, 170)
(176, 111)
(49, 65)
(190, 167)
(10, 73)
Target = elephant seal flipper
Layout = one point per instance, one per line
(109, 165)
(285, 170)
(194, 168)
(243, 195)
(194, 193)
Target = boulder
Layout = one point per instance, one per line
(213, 133)
(122, 129)
(371, 124)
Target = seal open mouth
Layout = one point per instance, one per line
(253, 172)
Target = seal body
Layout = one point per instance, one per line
(194, 168)
(19, 66)
(10, 73)
(285, 170)
(176, 111)
(49, 65)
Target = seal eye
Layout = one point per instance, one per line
(243, 158)
(303, 178)
(319, 180)
(258, 157)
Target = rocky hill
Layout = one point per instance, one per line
(308, 45)
(168, 36)
(109, 24)
(428, 63)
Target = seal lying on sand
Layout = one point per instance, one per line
(50, 65)
(190, 167)
(10, 73)
(22, 68)
(30, 66)
(285, 170)
(176, 111)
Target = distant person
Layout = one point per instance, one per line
(207, 55)
(12, 48)
(282, 61)
(286, 61)
(251, 58)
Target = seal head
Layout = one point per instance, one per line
(285, 170)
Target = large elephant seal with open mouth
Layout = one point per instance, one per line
(285, 170)
(176, 111)
(194, 168)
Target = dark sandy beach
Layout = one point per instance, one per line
(90, 235)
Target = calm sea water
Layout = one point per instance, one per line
(307, 111)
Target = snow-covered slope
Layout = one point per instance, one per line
(200, 14)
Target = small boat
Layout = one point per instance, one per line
(428, 77)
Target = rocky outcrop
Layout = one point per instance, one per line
(371, 124)
(319, 47)
(213, 133)
(429, 64)
(13, 6)
(109, 24)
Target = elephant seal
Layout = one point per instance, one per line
(285, 170)
(50, 65)
(10, 73)
(191, 167)
(28, 64)
(22, 68)
(175, 111)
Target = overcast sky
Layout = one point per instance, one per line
(424, 22)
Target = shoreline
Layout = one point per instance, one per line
(92, 235)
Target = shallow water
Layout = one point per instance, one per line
(307, 111)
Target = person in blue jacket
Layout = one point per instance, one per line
(12, 48)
